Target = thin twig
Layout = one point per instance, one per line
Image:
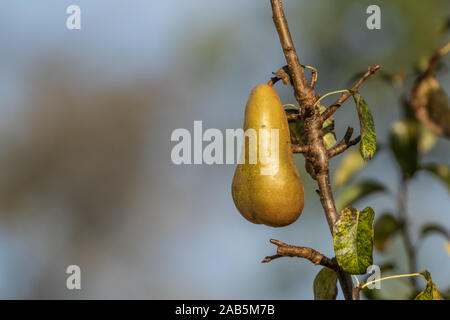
(337, 150)
(344, 144)
(329, 112)
(433, 61)
(286, 250)
(314, 73)
(313, 80)
(297, 148)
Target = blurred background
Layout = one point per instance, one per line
(86, 117)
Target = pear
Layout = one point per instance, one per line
(269, 190)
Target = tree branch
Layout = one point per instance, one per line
(344, 144)
(433, 61)
(286, 250)
(329, 112)
(301, 89)
(306, 97)
(297, 148)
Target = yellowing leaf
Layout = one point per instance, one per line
(431, 292)
(329, 136)
(427, 139)
(353, 240)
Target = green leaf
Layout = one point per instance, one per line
(325, 285)
(386, 267)
(434, 228)
(371, 294)
(368, 143)
(446, 294)
(297, 130)
(357, 191)
(431, 292)
(427, 140)
(353, 240)
(385, 226)
(404, 137)
(441, 171)
(329, 136)
(350, 164)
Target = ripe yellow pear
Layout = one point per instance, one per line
(269, 190)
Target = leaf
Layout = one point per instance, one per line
(386, 267)
(353, 240)
(431, 105)
(441, 171)
(446, 294)
(371, 294)
(298, 135)
(368, 143)
(404, 138)
(431, 292)
(350, 164)
(329, 136)
(325, 285)
(434, 228)
(297, 130)
(385, 226)
(445, 25)
(358, 191)
(427, 140)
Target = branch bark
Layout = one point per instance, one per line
(301, 89)
(296, 148)
(433, 61)
(286, 250)
(344, 144)
(317, 152)
(332, 109)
